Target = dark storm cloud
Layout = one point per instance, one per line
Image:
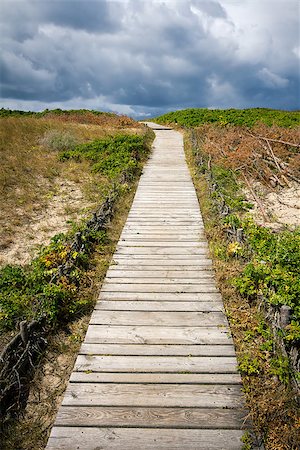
(140, 57)
(91, 15)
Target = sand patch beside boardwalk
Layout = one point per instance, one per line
(281, 206)
(67, 204)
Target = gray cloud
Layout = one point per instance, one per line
(146, 57)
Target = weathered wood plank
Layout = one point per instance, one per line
(156, 350)
(156, 335)
(167, 214)
(145, 219)
(183, 260)
(162, 263)
(156, 378)
(175, 319)
(164, 227)
(164, 250)
(121, 265)
(67, 438)
(159, 280)
(158, 306)
(149, 287)
(159, 222)
(161, 296)
(156, 364)
(157, 244)
(161, 237)
(115, 272)
(163, 395)
(107, 416)
(155, 205)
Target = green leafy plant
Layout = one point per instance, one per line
(248, 365)
(58, 140)
(196, 116)
(111, 156)
(247, 441)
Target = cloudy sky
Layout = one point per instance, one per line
(145, 57)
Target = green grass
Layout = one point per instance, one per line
(248, 117)
(16, 113)
(110, 156)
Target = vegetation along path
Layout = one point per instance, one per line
(157, 369)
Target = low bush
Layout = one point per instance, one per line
(248, 117)
(58, 140)
(111, 156)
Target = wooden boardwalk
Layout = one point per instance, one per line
(157, 369)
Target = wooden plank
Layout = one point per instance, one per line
(157, 350)
(165, 218)
(185, 260)
(153, 227)
(162, 221)
(161, 296)
(67, 438)
(162, 234)
(160, 280)
(166, 189)
(166, 395)
(122, 266)
(159, 237)
(107, 416)
(165, 213)
(156, 378)
(175, 208)
(140, 305)
(177, 199)
(168, 288)
(157, 244)
(163, 228)
(156, 364)
(158, 318)
(115, 272)
(164, 250)
(157, 335)
(142, 239)
(176, 204)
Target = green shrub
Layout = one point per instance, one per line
(57, 140)
(249, 117)
(111, 156)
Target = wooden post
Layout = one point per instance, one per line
(24, 331)
(285, 315)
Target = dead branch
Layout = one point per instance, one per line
(291, 144)
(273, 156)
(256, 198)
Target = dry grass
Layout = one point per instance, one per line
(266, 154)
(272, 406)
(33, 181)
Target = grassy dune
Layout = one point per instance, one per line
(246, 117)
